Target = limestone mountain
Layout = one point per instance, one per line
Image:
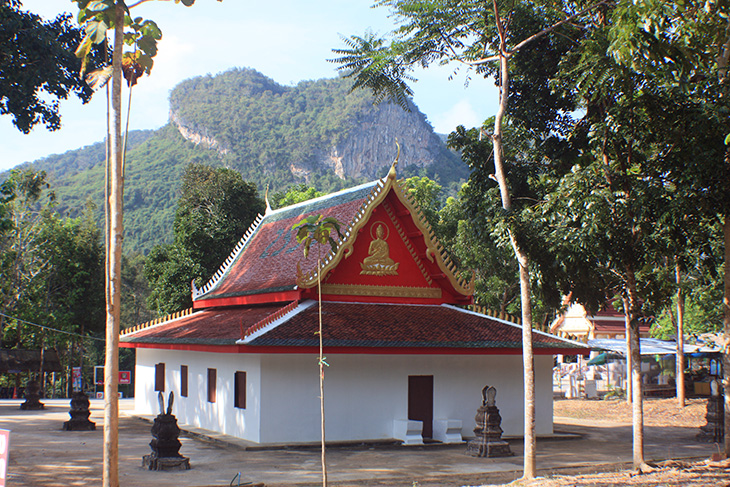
(316, 132)
(289, 134)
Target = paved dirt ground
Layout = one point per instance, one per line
(42, 455)
(657, 412)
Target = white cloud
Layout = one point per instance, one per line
(462, 113)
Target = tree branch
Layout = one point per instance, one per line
(533, 37)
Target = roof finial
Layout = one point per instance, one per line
(266, 197)
(391, 173)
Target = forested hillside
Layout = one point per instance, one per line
(316, 132)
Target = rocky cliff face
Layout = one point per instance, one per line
(307, 132)
(369, 146)
(371, 143)
(197, 138)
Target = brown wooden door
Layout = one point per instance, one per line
(420, 401)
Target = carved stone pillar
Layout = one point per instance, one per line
(714, 430)
(488, 441)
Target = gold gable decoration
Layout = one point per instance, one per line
(435, 252)
(378, 261)
(434, 249)
(382, 291)
(344, 247)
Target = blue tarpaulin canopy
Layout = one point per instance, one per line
(649, 346)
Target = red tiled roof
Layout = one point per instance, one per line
(268, 261)
(353, 325)
(613, 321)
(386, 325)
(212, 327)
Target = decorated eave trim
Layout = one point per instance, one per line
(434, 249)
(344, 246)
(272, 321)
(156, 322)
(495, 314)
(572, 343)
(197, 293)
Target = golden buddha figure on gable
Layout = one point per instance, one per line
(378, 261)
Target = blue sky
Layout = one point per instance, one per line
(286, 40)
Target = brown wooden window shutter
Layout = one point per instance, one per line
(240, 390)
(184, 381)
(160, 377)
(211, 384)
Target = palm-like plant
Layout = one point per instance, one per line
(311, 229)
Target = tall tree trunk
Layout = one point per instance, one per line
(528, 364)
(629, 362)
(529, 468)
(726, 331)
(629, 358)
(680, 339)
(321, 374)
(636, 385)
(113, 263)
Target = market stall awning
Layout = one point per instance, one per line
(649, 346)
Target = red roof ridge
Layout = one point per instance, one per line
(156, 321)
(274, 320)
(196, 293)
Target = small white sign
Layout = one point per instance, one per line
(4, 454)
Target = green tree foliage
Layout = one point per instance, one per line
(152, 186)
(135, 291)
(25, 206)
(215, 209)
(295, 194)
(427, 194)
(52, 270)
(696, 321)
(37, 66)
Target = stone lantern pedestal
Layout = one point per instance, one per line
(488, 441)
(32, 397)
(79, 414)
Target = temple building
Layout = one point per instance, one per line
(406, 359)
(577, 324)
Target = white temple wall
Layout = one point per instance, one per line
(221, 415)
(364, 394)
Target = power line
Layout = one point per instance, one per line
(52, 329)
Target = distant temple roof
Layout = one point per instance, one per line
(608, 322)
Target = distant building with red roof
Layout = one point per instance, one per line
(406, 360)
(577, 324)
